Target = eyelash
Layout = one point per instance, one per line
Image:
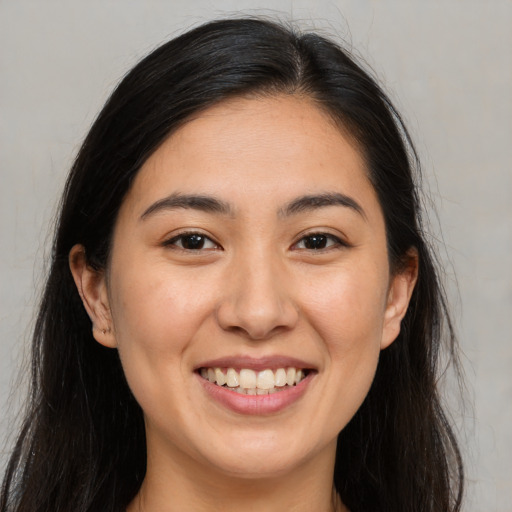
(319, 236)
(322, 237)
(174, 241)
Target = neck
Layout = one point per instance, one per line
(176, 483)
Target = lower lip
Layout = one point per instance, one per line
(256, 404)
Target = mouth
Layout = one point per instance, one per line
(247, 381)
(251, 386)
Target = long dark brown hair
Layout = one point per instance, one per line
(82, 444)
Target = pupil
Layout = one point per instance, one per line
(193, 242)
(316, 242)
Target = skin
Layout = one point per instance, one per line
(255, 289)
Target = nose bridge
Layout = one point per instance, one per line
(257, 299)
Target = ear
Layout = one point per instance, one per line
(92, 288)
(399, 294)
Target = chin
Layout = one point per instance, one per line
(269, 456)
(257, 467)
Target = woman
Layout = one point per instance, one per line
(242, 310)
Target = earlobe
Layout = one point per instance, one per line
(399, 295)
(92, 288)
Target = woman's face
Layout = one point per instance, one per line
(251, 248)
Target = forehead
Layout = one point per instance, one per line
(249, 148)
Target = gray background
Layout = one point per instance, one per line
(448, 66)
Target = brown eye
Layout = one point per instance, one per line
(318, 242)
(192, 242)
(315, 242)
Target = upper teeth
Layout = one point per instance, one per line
(249, 379)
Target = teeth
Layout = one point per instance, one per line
(232, 379)
(249, 382)
(247, 379)
(265, 380)
(220, 377)
(280, 379)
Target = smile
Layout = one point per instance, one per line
(249, 382)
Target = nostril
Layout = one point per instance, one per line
(257, 334)
(256, 322)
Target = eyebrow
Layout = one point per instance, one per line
(188, 201)
(210, 204)
(312, 202)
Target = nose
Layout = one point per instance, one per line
(256, 301)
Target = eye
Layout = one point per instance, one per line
(192, 242)
(318, 242)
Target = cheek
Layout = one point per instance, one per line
(348, 314)
(155, 320)
(155, 308)
(347, 308)
(348, 317)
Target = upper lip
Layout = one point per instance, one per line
(256, 364)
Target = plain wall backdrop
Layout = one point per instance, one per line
(448, 66)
